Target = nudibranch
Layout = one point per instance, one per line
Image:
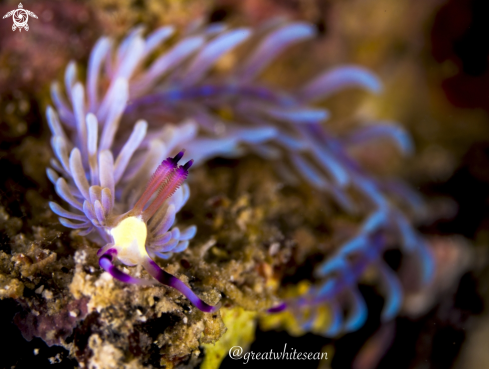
(129, 231)
(138, 234)
(180, 95)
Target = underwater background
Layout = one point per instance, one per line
(259, 237)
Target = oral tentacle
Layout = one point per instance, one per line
(169, 280)
(278, 308)
(105, 263)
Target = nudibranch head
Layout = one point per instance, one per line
(129, 231)
(129, 238)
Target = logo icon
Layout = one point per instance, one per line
(20, 17)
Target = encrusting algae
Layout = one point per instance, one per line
(240, 331)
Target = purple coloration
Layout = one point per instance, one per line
(90, 212)
(177, 157)
(166, 246)
(278, 125)
(166, 63)
(393, 290)
(277, 41)
(159, 178)
(70, 224)
(339, 79)
(229, 90)
(186, 167)
(167, 279)
(358, 314)
(211, 52)
(162, 239)
(99, 52)
(58, 210)
(382, 131)
(40, 322)
(277, 309)
(99, 212)
(64, 192)
(173, 182)
(105, 263)
(345, 283)
(156, 38)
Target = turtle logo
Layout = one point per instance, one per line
(20, 17)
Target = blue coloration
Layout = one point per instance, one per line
(336, 321)
(157, 38)
(103, 164)
(338, 79)
(358, 313)
(335, 263)
(353, 245)
(105, 263)
(298, 115)
(210, 53)
(427, 262)
(393, 291)
(312, 175)
(326, 290)
(273, 45)
(382, 130)
(375, 221)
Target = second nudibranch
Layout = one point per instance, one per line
(129, 232)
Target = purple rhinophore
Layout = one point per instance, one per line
(172, 183)
(157, 180)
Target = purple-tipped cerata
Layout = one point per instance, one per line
(104, 162)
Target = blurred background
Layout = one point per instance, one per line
(433, 58)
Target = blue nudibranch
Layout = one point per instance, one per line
(110, 201)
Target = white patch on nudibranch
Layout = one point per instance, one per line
(130, 240)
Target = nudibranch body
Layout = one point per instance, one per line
(180, 96)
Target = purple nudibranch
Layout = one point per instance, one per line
(102, 165)
(129, 231)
